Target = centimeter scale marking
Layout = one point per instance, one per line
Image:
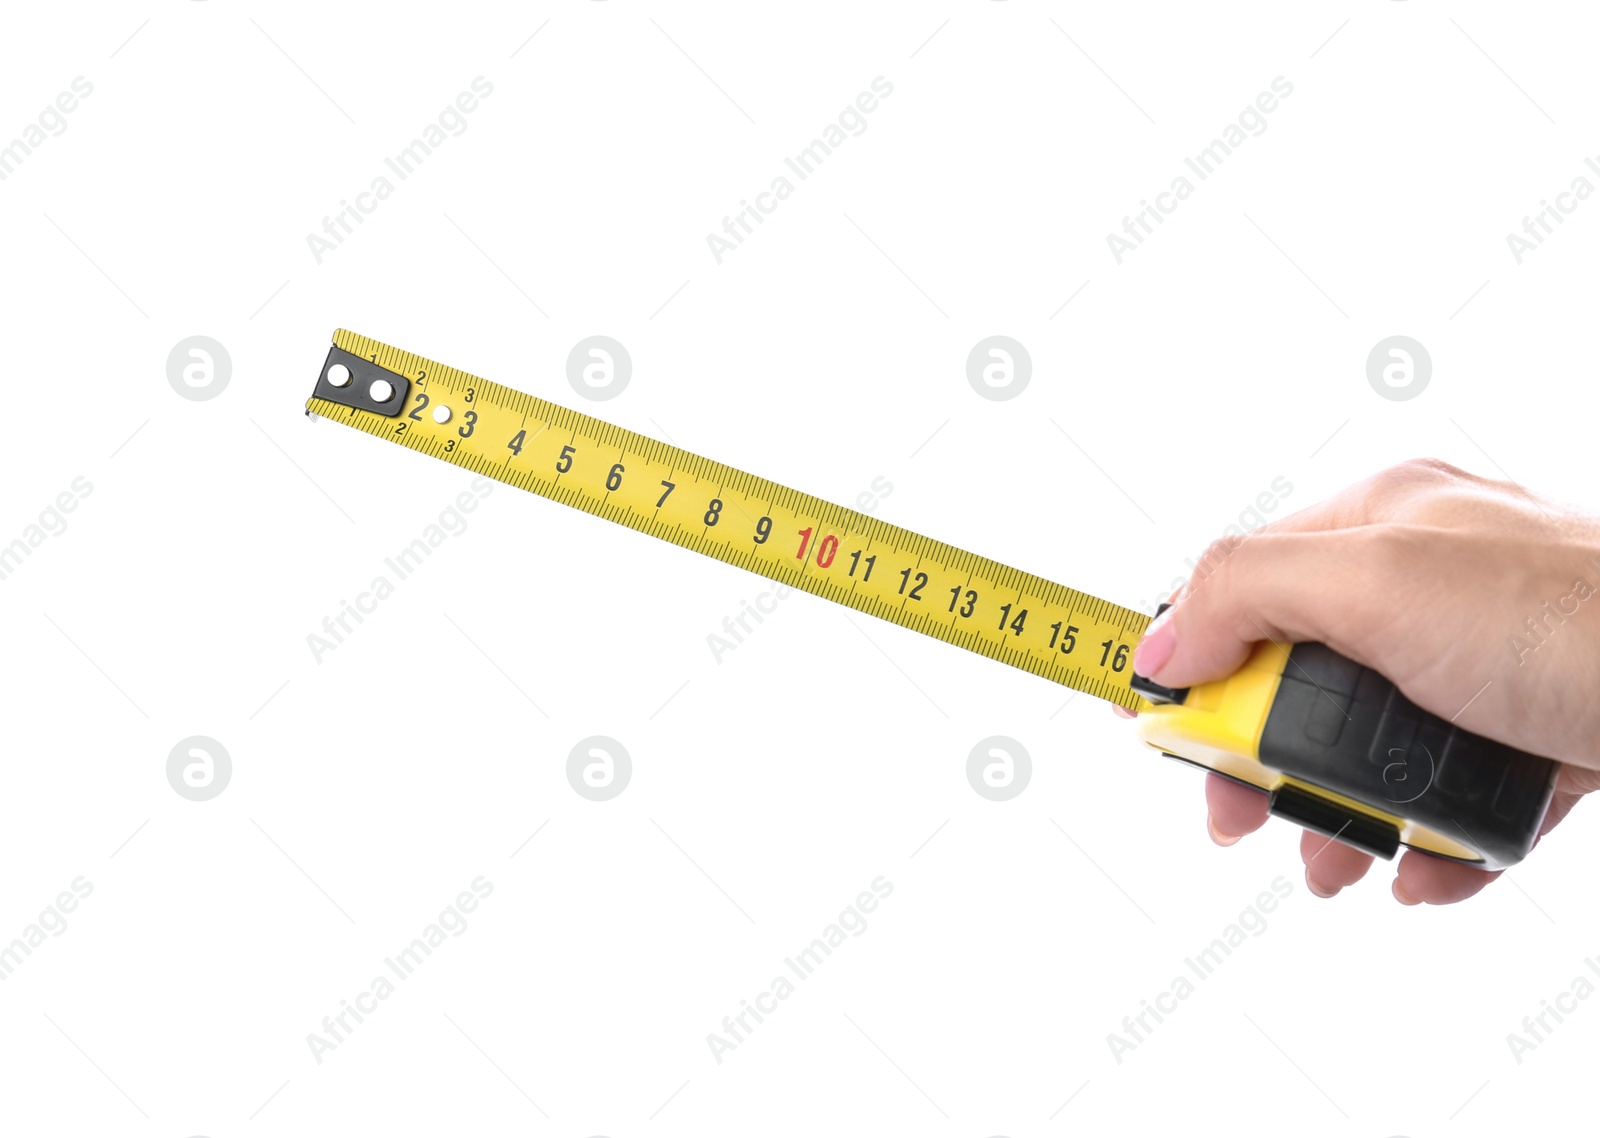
(796, 539)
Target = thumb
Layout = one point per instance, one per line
(1282, 586)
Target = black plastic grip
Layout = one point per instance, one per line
(1340, 726)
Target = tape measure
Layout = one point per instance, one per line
(1335, 745)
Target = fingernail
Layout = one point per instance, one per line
(1316, 891)
(1217, 835)
(1401, 895)
(1155, 649)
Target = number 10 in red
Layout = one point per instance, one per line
(827, 548)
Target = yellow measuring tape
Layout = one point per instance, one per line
(1337, 747)
(843, 555)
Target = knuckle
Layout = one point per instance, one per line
(1215, 559)
(1225, 569)
(1435, 468)
(1418, 489)
(1420, 472)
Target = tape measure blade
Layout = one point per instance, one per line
(785, 535)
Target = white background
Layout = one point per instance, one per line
(770, 789)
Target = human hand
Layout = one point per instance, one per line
(1472, 596)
